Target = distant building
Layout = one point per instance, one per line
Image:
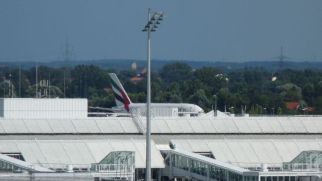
(295, 105)
(136, 79)
(134, 66)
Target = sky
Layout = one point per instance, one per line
(208, 30)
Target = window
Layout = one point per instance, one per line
(16, 155)
(207, 154)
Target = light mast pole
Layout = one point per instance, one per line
(151, 26)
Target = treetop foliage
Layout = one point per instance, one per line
(257, 90)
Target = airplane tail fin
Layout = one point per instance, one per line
(121, 97)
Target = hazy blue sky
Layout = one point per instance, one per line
(227, 30)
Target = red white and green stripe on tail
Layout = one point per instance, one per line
(121, 97)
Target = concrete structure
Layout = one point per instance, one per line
(22, 108)
(63, 142)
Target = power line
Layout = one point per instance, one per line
(67, 56)
(19, 80)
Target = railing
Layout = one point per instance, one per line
(114, 170)
(258, 165)
(283, 115)
(302, 167)
(280, 167)
(58, 167)
(107, 114)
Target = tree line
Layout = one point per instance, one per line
(256, 90)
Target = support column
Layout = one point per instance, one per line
(170, 166)
(159, 174)
(208, 172)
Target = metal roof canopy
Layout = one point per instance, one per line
(163, 125)
(251, 152)
(79, 153)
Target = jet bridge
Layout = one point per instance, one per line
(190, 166)
(8, 163)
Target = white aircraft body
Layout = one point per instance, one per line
(124, 104)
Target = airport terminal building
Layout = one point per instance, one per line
(56, 139)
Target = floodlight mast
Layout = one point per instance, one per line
(151, 26)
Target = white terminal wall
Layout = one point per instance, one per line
(43, 108)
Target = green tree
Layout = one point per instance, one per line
(213, 78)
(176, 72)
(200, 98)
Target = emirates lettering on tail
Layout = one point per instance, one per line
(121, 97)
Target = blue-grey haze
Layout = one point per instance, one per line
(214, 30)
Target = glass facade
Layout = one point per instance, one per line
(120, 162)
(306, 160)
(280, 178)
(206, 169)
(7, 167)
(217, 173)
(120, 158)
